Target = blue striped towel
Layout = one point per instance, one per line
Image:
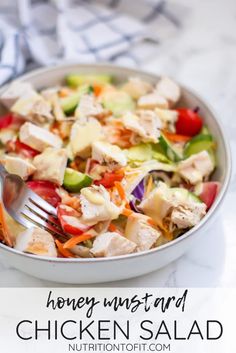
(38, 32)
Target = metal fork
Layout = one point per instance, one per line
(26, 207)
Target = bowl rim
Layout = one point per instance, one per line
(199, 226)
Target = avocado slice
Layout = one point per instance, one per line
(118, 102)
(168, 149)
(199, 143)
(74, 181)
(75, 80)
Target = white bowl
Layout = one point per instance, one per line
(121, 267)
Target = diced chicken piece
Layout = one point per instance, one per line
(83, 135)
(7, 135)
(38, 138)
(137, 87)
(151, 124)
(33, 107)
(97, 170)
(168, 118)
(16, 90)
(96, 205)
(145, 123)
(36, 241)
(169, 90)
(196, 168)
(23, 105)
(51, 165)
(63, 129)
(48, 93)
(101, 227)
(184, 217)
(158, 203)
(40, 112)
(51, 96)
(88, 107)
(141, 233)
(57, 109)
(108, 154)
(18, 166)
(183, 208)
(112, 244)
(131, 121)
(152, 100)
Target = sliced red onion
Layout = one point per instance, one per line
(138, 192)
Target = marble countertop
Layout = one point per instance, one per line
(202, 56)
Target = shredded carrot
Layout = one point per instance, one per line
(62, 251)
(118, 123)
(120, 172)
(176, 137)
(112, 228)
(120, 136)
(127, 205)
(4, 228)
(63, 93)
(167, 234)
(97, 89)
(126, 212)
(120, 190)
(149, 185)
(76, 240)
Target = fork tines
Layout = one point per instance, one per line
(43, 215)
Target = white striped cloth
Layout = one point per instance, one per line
(39, 32)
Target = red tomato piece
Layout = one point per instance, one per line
(21, 149)
(6, 120)
(108, 180)
(11, 120)
(70, 222)
(209, 192)
(25, 149)
(189, 123)
(46, 190)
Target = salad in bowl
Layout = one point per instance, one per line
(126, 166)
